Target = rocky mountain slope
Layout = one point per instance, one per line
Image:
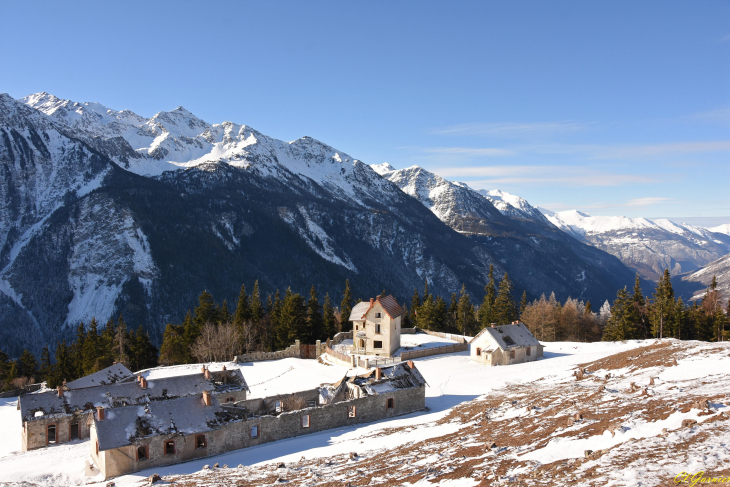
(86, 234)
(535, 253)
(694, 284)
(649, 246)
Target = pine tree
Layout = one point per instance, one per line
(328, 317)
(486, 310)
(292, 320)
(46, 369)
(64, 369)
(505, 310)
(4, 368)
(621, 325)
(206, 311)
(27, 365)
(426, 294)
(452, 314)
(346, 307)
(121, 342)
(315, 323)
(639, 313)
(189, 333)
(224, 315)
(77, 353)
(256, 307)
(523, 303)
(465, 313)
(91, 350)
(243, 312)
(415, 306)
(427, 313)
(174, 349)
(143, 354)
(662, 305)
(440, 315)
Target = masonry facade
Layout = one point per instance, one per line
(194, 427)
(66, 414)
(505, 345)
(376, 326)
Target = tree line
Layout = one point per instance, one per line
(212, 332)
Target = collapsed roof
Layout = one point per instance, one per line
(111, 375)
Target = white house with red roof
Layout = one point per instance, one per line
(376, 326)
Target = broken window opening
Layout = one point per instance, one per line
(200, 441)
(255, 431)
(170, 447)
(230, 399)
(391, 403)
(74, 431)
(142, 453)
(528, 351)
(305, 421)
(51, 433)
(511, 354)
(277, 406)
(351, 411)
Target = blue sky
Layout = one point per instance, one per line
(610, 108)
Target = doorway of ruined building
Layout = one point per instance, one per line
(308, 351)
(51, 436)
(74, 431)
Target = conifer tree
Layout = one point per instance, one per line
(505, 310)
(46, 369)
(523, 303)
(77, 352)
(292, 320)
(346, 307)
(640, 313)
(189, 332)
(328, 317)
(465, 312)
(426, 294)
(63, 370)
(620, 325)
(452, 314)
(224, 315)
(662, 305)
(440, 314)
(92, 349)
(121, 342)
(486, 310)
(142, 354)
(174, 349)
(205, 312)
(243, 312)
(4, 368)
(26, 365)
(588, 309)
(315, 324)
(426, 313)
(256, 307)
(415, 305)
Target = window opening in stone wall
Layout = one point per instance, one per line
(377, 315)
(255, 431)
(74, 431)
(391, 403)
(230, 399)
(51, 433)
(351, 411)
(511, 354)
(142, 453)
(277, 406)
(169, 447)
(200, 441)
(528, 351)
(378, 344)
(305, 421)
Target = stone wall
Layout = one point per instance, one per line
(238, 434)
(34, 432)
(290, 351)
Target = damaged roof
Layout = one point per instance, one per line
(508, 337)
(126, 394)
(359, 311)
(184, 415)
(397, 376)
(110, 375)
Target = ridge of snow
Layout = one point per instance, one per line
(721, 229)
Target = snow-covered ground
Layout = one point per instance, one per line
(417, 341)
(453, 381)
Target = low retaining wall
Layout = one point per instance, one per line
(448, 336)
(427, 352)
(291, 351)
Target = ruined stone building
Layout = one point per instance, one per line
(161, 433)
(376, 326)
(65, 414)
(505, 345)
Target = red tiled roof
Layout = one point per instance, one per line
(391, 306)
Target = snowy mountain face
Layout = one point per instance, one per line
(106, 212)
(649, 246)
(697, 282)
(725, 229)
(536, 254)
(514, 206)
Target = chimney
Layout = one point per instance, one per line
(378, 373)
(224, 368)
(202, 371)
(207, 374)
(494, 325)
(143, 383)
(372, 300)
(100, 413)
(60, 391)
(411, 364)
(206, 398)
(138, 378)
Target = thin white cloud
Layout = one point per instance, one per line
(469, 151)
(647, 201)
(720, 115)
(632, 151)
(491, 176)
(511, 130)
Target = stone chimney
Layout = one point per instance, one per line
(59, 389)
(411, 364)
(143, 383)
(100, 413)
(206, 398)
(378, 373)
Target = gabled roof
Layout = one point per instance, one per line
(185, 415)
(388, 303)
(508, 337)
(110, 375)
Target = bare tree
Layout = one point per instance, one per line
(217, 343)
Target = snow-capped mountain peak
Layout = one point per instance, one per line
(721, 229)
(383, 168)
(513, 206)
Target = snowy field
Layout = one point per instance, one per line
(453, 382)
